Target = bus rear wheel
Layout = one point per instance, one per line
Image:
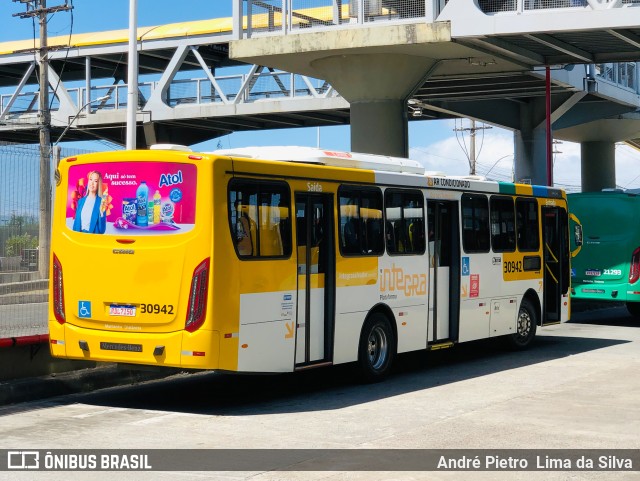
(634, 308)
(525, 326)
(377, 348)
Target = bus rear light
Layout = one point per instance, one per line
(198, 297)
(634, 269)
(58, 291)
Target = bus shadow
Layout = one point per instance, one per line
(607, 315)
(212, 393)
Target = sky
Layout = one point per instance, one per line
(433, 143)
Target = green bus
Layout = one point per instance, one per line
(605, 247)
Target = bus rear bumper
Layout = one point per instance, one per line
(622, 292)
(198, 350)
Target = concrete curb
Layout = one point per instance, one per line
(72, 382)
(23, 286)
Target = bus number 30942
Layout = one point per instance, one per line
(156, 309)
(512, 266)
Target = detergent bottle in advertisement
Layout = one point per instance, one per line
(156, 207)
(142, 194)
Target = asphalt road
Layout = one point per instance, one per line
(577, 388)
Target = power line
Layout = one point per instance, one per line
(38, 9)
(471, 154)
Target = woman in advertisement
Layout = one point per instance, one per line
(90, 214)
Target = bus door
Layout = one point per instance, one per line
(444, 272)
(316, 278)
(556, 261)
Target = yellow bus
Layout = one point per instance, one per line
(278, 259)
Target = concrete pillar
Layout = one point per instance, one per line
(150, 137)
(530, 151)
(376, 85)
(598, 165)
(380, 127)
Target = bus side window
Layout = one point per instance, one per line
(270, 235)
(259, 218)
(404, 212)
(374, 228)
(502, 224)
(351, 244)
(416, 235)
(244, 237)
(360, 221)
(527, 225)
(475, 223)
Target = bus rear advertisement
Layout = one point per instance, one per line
(283, 259)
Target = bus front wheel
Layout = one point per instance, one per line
(377, 348)
(526, 325)
(634, 308)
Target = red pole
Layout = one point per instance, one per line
(548, 127)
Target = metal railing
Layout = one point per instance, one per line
(522, 6)
(267, 85)
(295, 15)
(264, 84)
(289, 16)
(623, 74)
(496, 6)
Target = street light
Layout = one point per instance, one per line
(99, 99)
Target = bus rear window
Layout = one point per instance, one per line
(132, 198)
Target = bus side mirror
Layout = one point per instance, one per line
(577, 234)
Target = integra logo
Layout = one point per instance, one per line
(124, 251)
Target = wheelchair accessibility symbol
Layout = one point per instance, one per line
(84, 309)
(465, 266)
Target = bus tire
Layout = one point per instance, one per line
(634, 308)
(377, 348)
(526, 325)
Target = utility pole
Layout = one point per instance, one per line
(472, 144)
(132, 76)
(38, 8)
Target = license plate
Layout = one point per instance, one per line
(116, 346)
(125, 311)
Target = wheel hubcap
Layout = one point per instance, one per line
(378, 347)
(524, 324)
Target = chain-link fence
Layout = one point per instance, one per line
(291, 15)
(496, 6)
(23, 293)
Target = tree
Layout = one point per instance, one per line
(18, 243)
